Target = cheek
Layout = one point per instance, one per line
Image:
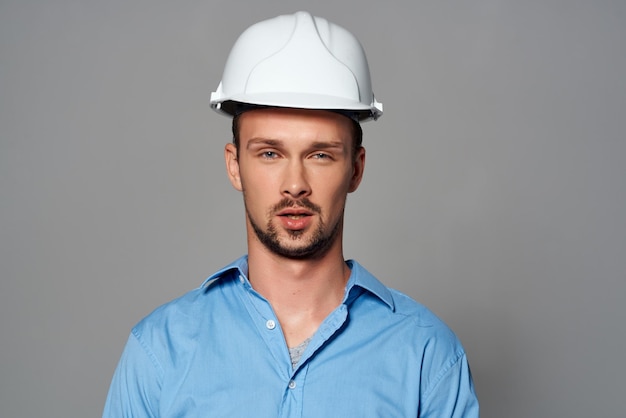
(334, 189)
(260, 191)
(255, 178)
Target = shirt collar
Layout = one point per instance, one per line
(241, 264)
(362, 278)
(359, 277)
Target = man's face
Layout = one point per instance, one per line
(295, 169)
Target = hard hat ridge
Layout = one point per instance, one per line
(297, 61)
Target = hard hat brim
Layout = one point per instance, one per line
(362, 112)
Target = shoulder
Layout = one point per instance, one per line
(405, 305)
(441, 355)
(411, 321)
(212, 295)
(446, 387)
(183, 316)
(399, 305)
(433, 336)
(172, 317)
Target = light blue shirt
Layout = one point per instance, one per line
(219, 351)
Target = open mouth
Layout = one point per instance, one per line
(295, 219)
(295, 216)
(294, 213)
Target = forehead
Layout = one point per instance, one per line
(294, 124)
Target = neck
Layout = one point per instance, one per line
(302, 292)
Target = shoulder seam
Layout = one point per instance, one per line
(459, 355)
(148, 351)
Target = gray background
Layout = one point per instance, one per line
(494, 192)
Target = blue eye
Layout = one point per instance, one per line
(269, 155)
(321, 156)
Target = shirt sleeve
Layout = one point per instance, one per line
(452, 395)
(136, 385)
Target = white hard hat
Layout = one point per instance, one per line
(297, 61)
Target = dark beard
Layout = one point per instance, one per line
(321, 240)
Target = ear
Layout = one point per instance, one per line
(357, 170)
(232, 166)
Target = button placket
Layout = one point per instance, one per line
(294, 393)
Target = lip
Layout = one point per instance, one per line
(294, 212)
(295, 219)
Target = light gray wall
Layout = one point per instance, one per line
(494, 192)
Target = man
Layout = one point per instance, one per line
(293, 330)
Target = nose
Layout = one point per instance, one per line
(295, 183)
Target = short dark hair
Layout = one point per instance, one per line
(357, 134)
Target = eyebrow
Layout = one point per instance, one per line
(254, 142)
(327, 145)
(263, 141)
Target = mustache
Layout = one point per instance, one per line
(296, 203)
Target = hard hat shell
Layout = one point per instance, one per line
(297, 61)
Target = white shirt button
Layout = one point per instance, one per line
(270, 324)
(292, 384)
(241, 279)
